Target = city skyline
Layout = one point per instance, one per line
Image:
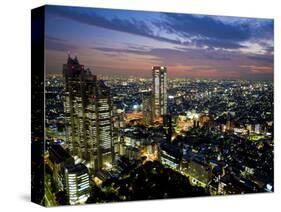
(124, 43)
(216, 137)
(146, 105)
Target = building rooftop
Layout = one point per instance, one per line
(59, 154)
(77, 168)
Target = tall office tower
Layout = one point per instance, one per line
(167, 125)
(147, 108)
(77, 183)
(159, 91)
(87, 108)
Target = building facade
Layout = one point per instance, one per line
(77, 183)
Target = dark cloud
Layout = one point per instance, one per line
(130, 51)
(213, 33)
(53, 43)
(201, 30)
(205, 26)
(269, 49)
(268, 59)
(88, 16)
(264, 30)
(173, 56)
(52, 38)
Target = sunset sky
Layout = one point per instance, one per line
(122, 42)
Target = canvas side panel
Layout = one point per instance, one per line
(37, 105)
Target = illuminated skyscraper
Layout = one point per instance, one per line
(87, 108)
(159, 91)
(77, 183)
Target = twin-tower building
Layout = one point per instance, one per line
(87, 108)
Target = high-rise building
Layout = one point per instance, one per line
(230, 122)
(147, 108)
(230, 125)
(87, 108)
(159, 91)
(167, 126)
(77, 183)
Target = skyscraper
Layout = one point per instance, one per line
(159, 91)
(147, 108)
(167, 126)
(87, 108)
